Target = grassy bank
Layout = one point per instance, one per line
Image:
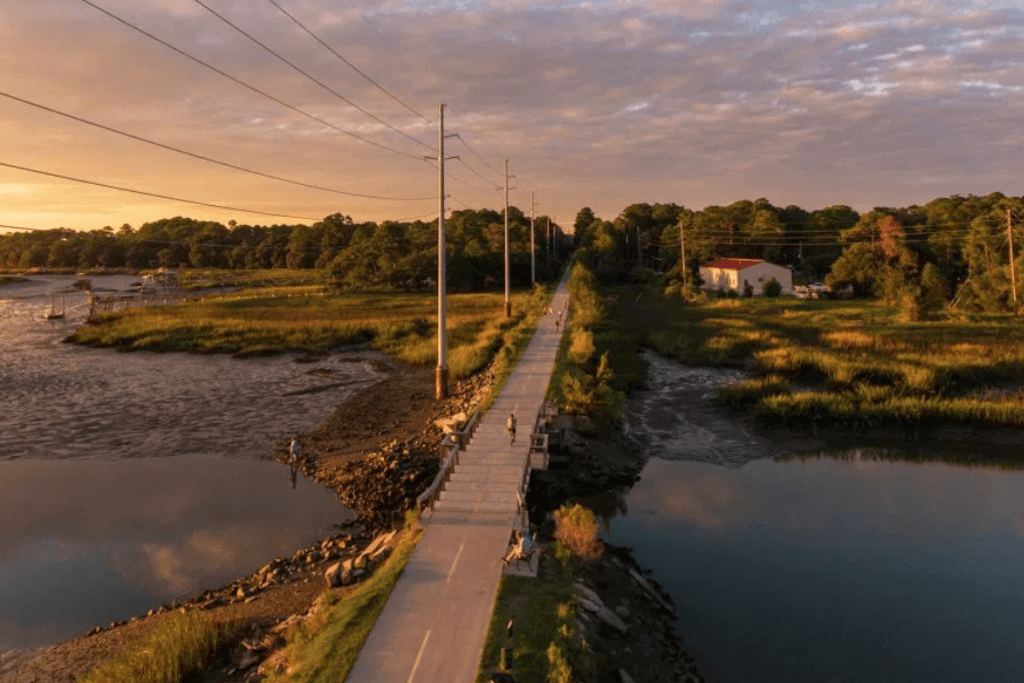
(193, 279)
(10, 279)
(597, 362)
(181, 645)
(326, 646)
(276, 319)
(849, 365)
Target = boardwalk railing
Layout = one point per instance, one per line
(451, 445)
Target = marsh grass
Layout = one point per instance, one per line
(279, 319)
(325, 647)
(193, 279)
(850, 364)
(182, 644)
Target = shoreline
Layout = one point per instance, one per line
(371, 466)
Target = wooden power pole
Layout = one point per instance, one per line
(1013, 271)
(682, 255)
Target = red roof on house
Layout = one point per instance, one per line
(734, 263)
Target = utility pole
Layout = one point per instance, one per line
(508, 290)
(533, 256)
(441, 376)
(682, 255)
(1013, 271)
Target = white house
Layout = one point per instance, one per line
(736, 273)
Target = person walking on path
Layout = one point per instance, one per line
(295, 450)
(510, 427)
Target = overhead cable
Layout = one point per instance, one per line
(310, 76)
(477, 155)
(154, 194)
(246, 85)
(195, 155)
(350, 64)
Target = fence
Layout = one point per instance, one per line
(451, 445)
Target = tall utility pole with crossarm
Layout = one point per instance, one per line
(508, 286)
(533, 255)
(441, 376)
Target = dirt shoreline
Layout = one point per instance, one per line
(376, 451)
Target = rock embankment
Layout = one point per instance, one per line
(622, 614)
(380, 449)
(631, 622)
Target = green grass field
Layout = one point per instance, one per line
(849, 364)
(278, 319)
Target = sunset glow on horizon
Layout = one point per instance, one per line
(599, 103)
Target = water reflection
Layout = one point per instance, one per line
(873, 565)
(84, 542)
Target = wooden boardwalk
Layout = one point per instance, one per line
(433, 627)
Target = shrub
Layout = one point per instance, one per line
(576, 529)
(559, 670)
(772, 288)
(748, 290)
(582, 347)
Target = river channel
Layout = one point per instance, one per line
(842, 565)
(128, 480)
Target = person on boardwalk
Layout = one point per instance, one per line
(510, 427)
(295, 450)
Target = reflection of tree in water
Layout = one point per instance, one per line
(963, 455)
(608, 505)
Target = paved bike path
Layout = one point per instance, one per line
(433, 627)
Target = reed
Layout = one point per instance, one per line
(181, 645)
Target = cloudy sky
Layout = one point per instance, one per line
(600, 103)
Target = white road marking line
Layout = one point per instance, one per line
(419, 656)
(457, 556)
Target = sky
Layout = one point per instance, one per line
(600, 103)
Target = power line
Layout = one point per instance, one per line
(350, 64)
(195, 155)
(309, 76)
(396, 51)
(474, 172)
(18, 227)
(153, 194)
(246, 85)
(477, 155)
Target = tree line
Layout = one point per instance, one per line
(950, 250)
(390, 254)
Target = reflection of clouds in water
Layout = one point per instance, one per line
(165, 565)
(820, 495)
(114, 538)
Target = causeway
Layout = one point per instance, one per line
(433, 627)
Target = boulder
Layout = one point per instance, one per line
(588, 594)
(333, 575)
(604, 614)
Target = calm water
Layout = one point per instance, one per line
(131, 479)
(837, 570)
(86, 542)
